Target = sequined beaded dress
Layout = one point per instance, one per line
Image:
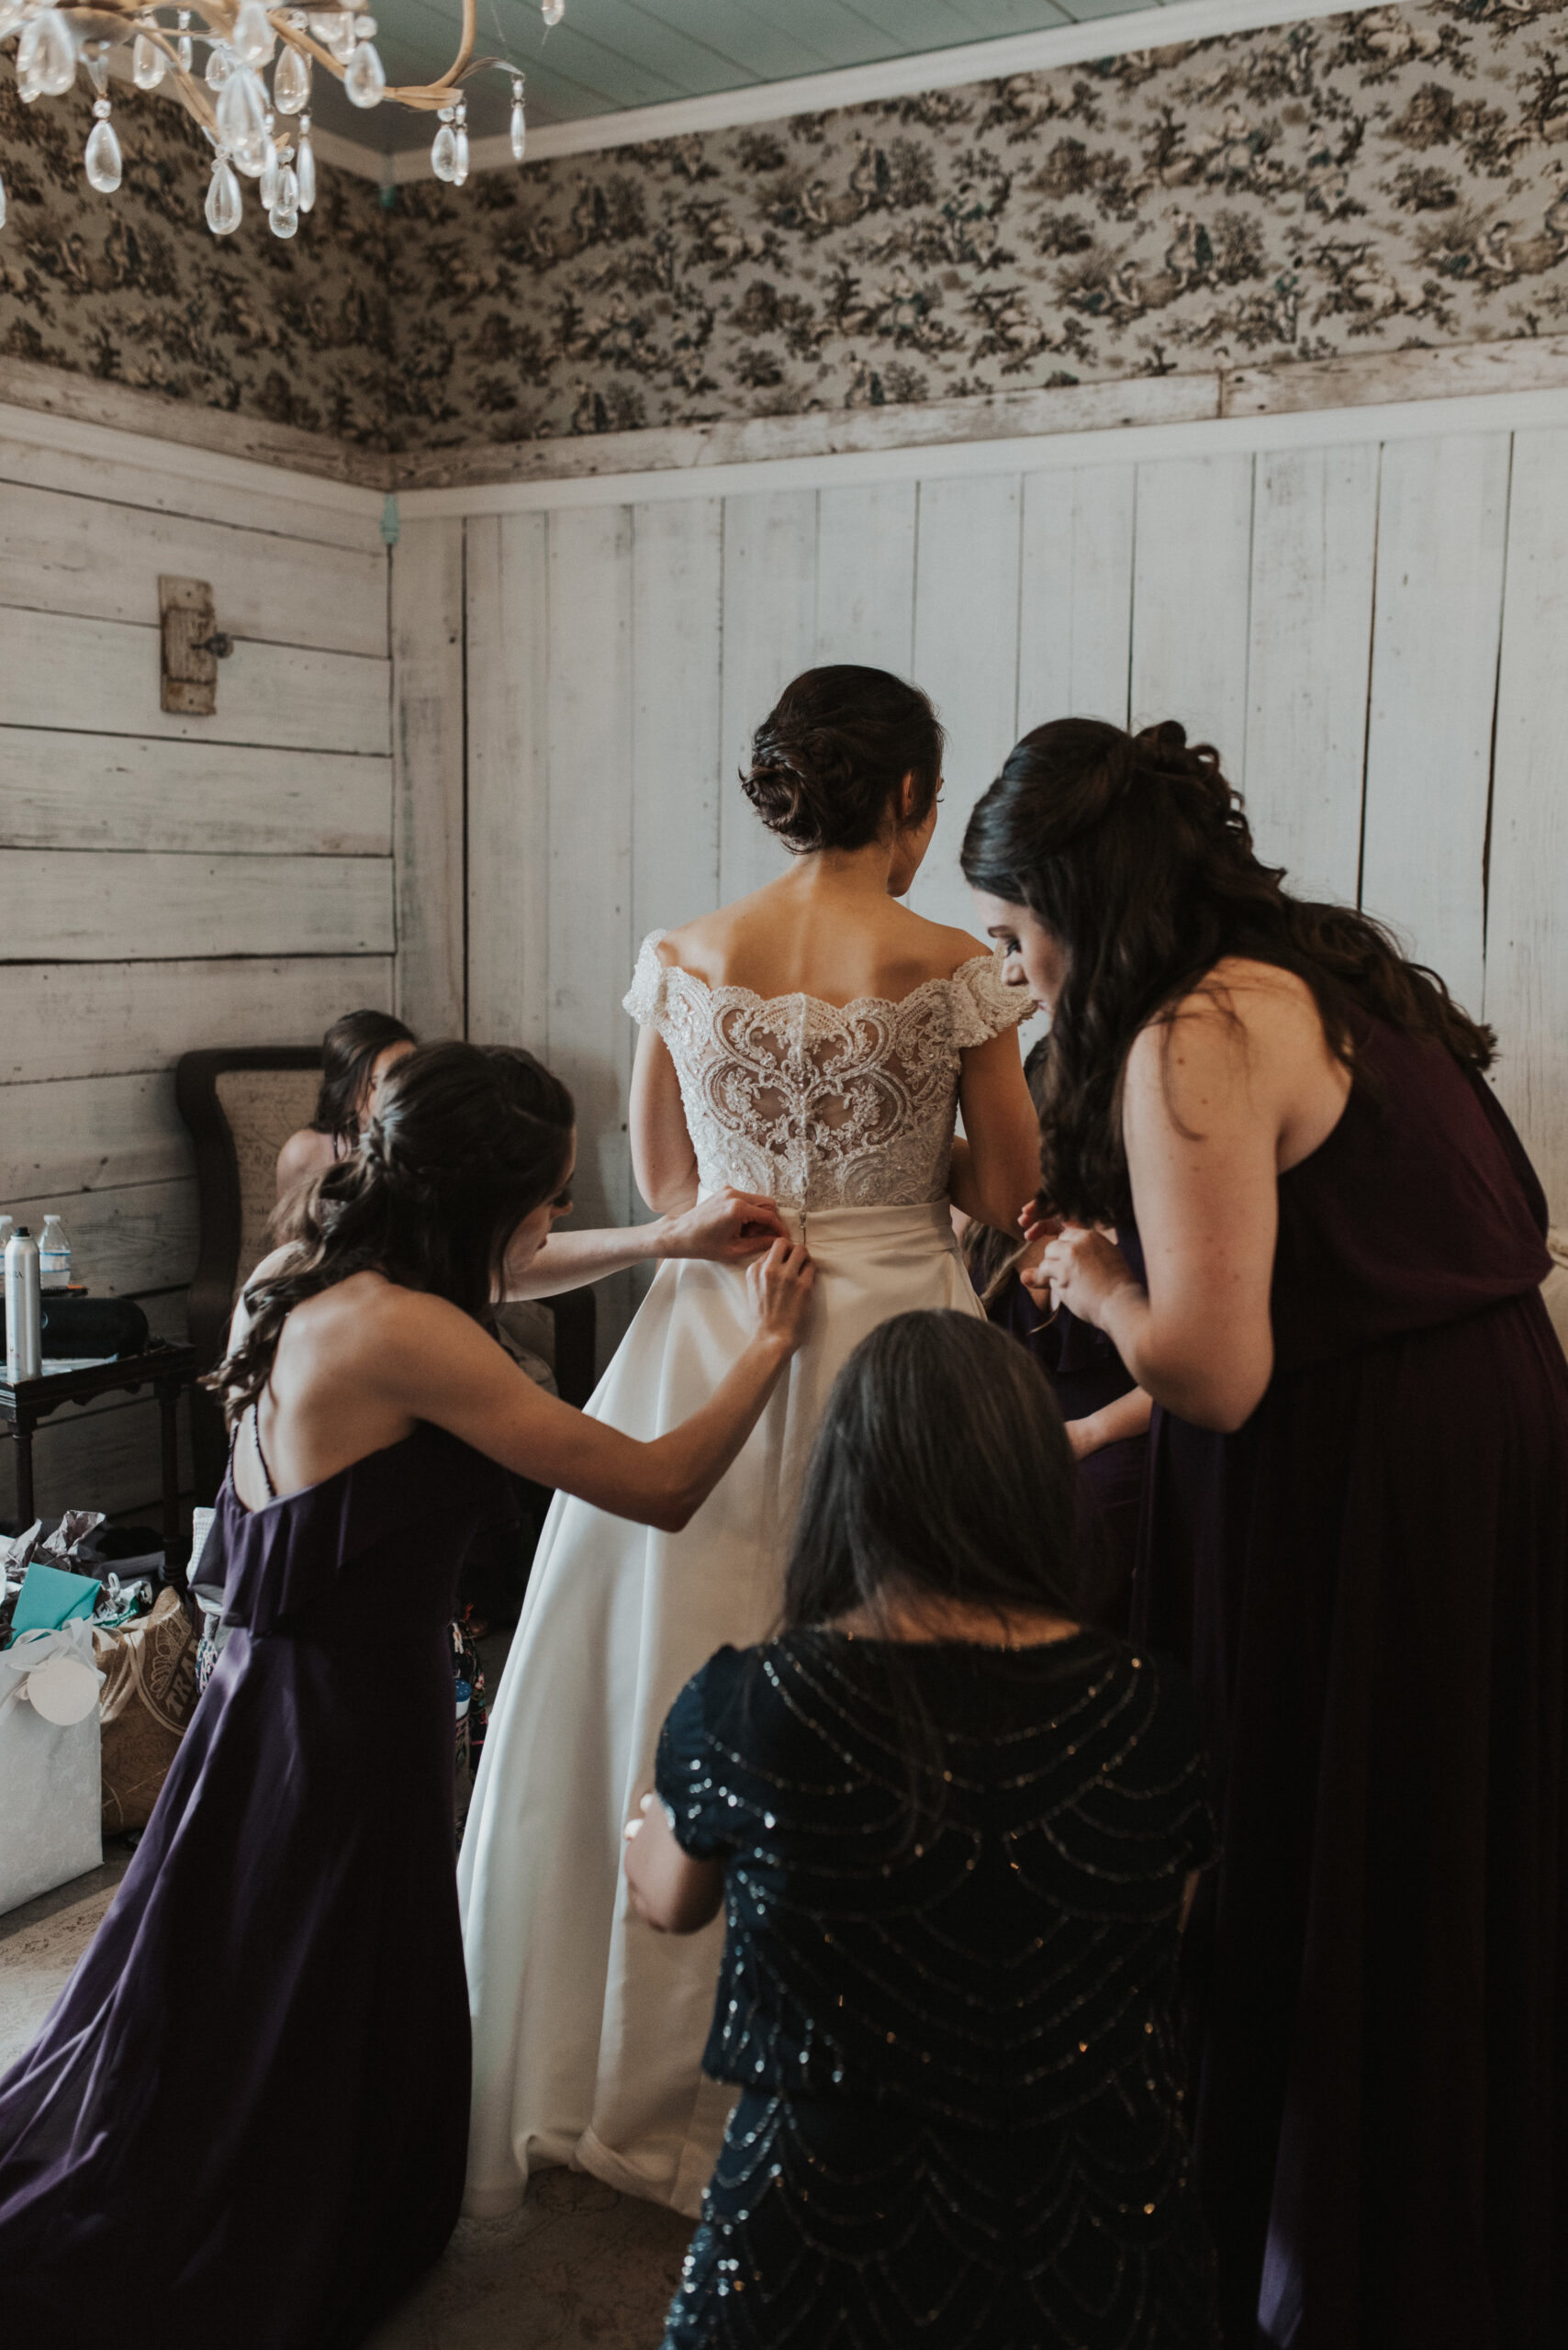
(961, 2125)
(587, 2029)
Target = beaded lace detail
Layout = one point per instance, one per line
(961, 2053)
(823, 1105)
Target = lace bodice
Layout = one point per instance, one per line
(821, 1105)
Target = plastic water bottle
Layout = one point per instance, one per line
(54, 1255)
(24, 1320)
(7, 1225)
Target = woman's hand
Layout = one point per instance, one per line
(668, 1890)
(780, 1286)
(1081, 1271)
(729, 1228)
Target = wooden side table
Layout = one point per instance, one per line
(168, 1371)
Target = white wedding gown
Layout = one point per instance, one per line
(588, 2028)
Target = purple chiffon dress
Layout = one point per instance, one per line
(1367, 1582)
(245, 2120)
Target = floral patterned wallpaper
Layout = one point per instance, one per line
(1388, 177)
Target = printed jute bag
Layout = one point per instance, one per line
(148, 1695)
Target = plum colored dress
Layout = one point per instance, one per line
(246, 2117)
(1367, 1580)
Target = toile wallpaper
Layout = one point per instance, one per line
(1388, 177)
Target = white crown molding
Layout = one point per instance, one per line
(68, 436)
(1156, 27)
(1121, 444)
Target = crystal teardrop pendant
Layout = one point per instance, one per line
(284, 218)
(28, 81)
(364, 81)
(223, 205)
(267, 185)
(1, 204)
(519, 121)
(242, 120)
(291, 83)
(46, 54)
(182, 41)
(254, 35)
(304, 169)
(103, 163)
(460, 148)
(11, 14)
(552, 11)
(218, 68)
(443, 150)
(149, 63)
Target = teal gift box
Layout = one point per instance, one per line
(50, 1597)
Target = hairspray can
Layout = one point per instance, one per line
(24, 1320)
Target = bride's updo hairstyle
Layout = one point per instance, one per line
(1132, 851)
(466, 1141)
(827, 760)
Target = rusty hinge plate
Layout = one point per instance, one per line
(190, 664)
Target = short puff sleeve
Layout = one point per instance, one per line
(644, 999)
(688, 1771)
(983, 1005)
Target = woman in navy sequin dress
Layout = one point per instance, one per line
(1328, 1278)
(955, 1834)
(245, 2121)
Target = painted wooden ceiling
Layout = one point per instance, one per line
(608, 55)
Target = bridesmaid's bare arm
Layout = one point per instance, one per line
(669, 1889)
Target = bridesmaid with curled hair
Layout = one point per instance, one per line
(249, 2110)
(1327, 1270)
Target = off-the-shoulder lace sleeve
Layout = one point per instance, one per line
(644, 999)
(983, 1005)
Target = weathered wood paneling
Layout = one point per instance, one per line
(1527, 931)
(105, 1457)
(428, 750)
(86, 1134)
(1075, 603)
(1191, 600)
(966, 658)
(70, 553)
(677, 586)
(102, 678)
(509, 781)
(1442, 517)
(74, 790)
(86, 905)
(68, 1020)
(1314, 554)
(866, 575)
(124, 1242)
(770, 635)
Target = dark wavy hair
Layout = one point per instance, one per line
(941, 1471)
(1134, 853)
(466, 1140)
(350, 1050)
(830, 753)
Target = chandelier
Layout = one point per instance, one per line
(254, 132)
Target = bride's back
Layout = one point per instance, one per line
(840, 941)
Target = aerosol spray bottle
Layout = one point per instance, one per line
(23, 1322)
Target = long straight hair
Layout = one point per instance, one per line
(1133, 852)
(466, 1141)
(941, 1471)
(350, 1050)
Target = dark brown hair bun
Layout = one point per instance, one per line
(828, 758)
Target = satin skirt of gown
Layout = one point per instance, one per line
(588, 2027)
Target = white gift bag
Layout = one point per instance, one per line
(51, 1803)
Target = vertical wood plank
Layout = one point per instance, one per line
(676, 593)
(1442, 517)
(1527, 945)
(589, 749)
(508, 785)
(1075, 594)
(1190, 595)
(966, 658)
(428, 763)
(866, 575)
(770, 632)
(1314, 559)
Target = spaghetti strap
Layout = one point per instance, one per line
(261, 1456)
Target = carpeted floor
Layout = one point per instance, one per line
(579, 2268)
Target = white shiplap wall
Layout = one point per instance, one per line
(1371, 628)
(168, 883)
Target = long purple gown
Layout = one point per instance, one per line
(1367, 1582)
(245, 2121)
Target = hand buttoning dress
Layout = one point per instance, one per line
(588, 2028)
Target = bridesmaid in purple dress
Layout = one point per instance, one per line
(1331, 1246)
(246, 2121)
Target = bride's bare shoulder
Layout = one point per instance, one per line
(701, 945)
(939, 946)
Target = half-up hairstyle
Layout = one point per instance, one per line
(466, 1140)
(827, 760)
(1133, 852)
(350, 1050)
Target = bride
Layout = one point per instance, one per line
(813, 1043)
